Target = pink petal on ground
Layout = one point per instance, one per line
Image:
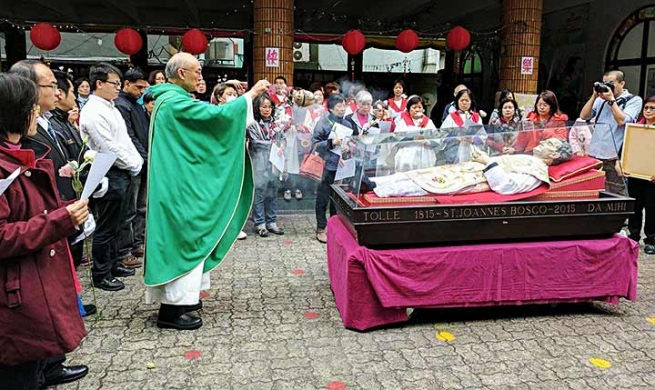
(311, 315)
(204, 294)
(192, 355)
(298, 271)
(336, 385)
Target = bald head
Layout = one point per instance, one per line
(184, 70)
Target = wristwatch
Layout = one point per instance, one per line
(611, 102)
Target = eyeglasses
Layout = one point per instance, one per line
(52, 85)
(649, 108)
(116, 84)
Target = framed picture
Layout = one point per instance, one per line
(638, 145)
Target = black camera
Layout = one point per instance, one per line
(604, 87)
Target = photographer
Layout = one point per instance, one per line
(612, 107)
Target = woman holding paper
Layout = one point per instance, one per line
(39, 316)
(330, 146)
(266, 148)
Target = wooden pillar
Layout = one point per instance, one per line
(273, 21)
(521, 38)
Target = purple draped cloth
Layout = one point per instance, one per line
(373, 287)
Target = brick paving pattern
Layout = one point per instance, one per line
(270, 322)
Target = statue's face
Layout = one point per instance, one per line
(547, 149)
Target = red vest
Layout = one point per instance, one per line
(460, 122)
(393, 106)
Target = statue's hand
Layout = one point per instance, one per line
(480, 156)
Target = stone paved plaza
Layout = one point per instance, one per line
(270, 322)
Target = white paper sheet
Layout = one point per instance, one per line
(385, 126)
(347, 170)
(342, 132)
(89, 228)
(4, 183)
(99, 168)
(276, 158)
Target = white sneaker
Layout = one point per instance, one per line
(287, 195)
(242, 235)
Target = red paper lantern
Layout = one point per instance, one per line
(45, 36)
(458, 38)
(194, 41)
(353, 42)
(407, 41)
(128, 41)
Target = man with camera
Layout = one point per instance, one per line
(612, 106)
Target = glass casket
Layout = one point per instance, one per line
(481, 183)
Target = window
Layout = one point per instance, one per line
(632, 49)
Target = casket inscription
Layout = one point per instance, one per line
(495, 211)
(606, 207)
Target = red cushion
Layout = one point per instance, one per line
(575, 166)
(589, 181)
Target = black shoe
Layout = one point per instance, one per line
(67, 375)
(197, 306)
(649, 249)
(275, 230)
(183, 322)
(123, 272)
(262, 232)
(112, 284)
(90, 310)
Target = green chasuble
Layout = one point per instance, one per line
(200, 184)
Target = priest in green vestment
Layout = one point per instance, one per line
(200, 190)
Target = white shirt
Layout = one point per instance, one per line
(101, 121)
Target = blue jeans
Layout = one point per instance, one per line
(264, 208)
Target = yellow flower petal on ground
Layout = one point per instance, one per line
(600, 363)
(651, 320)
(445, 336)
(150, 366)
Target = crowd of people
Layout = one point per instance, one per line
(167, 130)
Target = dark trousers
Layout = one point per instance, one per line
(32, 375)
(141, 199)
(77, 251)
(323, 199)
(110, 211)
(126, 232)
(644, 193)
(613, 182)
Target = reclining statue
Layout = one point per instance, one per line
(506, 174)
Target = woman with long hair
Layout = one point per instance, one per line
(546, 121)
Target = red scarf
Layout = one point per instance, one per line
(276, 99)
(409, 121)
(393, 106)
(460, 122)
